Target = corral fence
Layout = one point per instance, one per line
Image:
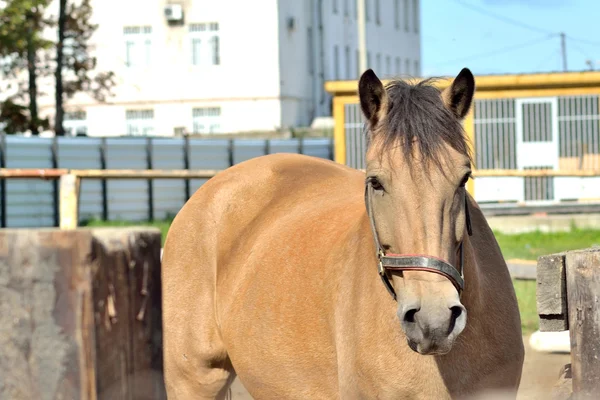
(26, 202)
(517, 123)
(568, 284)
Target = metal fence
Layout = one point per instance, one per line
(34, 203)
(556, 133)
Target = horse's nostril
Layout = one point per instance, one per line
(456, 312)
(409, 316)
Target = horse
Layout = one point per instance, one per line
(308, 279)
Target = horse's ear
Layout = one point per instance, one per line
(459, 95)
(373, 97)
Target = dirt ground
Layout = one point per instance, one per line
(540, 373)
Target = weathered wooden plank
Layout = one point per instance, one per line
(551, 293)
(583, 289)
(80, 314)
(46, 324)
(128, 313)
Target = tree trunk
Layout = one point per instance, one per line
(31, 68)
(58, 120)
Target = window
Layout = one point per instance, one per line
(369, 65)
(397, 65)
(205, 44)
(378, 63)
(74, 123)
(139, 122)
(348, 63)
(336, 63)
(206, 120)
(397, 14)
(138, 43)
(358, 71)
(388, 65)
(377, 12)
(406, 16)
(407, 66)
(346, 8)
(415, 10)
(417, 72)
(335, 6)
(309, 49)
(367, 14)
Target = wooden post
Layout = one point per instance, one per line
(583, 290)
(80, 316)
(69, 201)
(552, 293)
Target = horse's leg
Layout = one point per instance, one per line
(196, 364)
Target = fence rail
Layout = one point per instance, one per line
(71, 182)
(122, 195)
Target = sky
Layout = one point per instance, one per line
(508, 36)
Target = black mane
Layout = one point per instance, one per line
(416, 113)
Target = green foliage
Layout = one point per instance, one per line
(23, 48)
(531, 245)
(21, 25)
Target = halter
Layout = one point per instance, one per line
(415, 262)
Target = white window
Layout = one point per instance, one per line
(336, 63)
(377, 13)
(335, 6)
(397, 65)
(348, 63)
(138, 45)
(397, 14)
(139, 122)
(75, 124)
(415, 9)
(206, 120)
(309, 49)
(406, 16)
(205, 44)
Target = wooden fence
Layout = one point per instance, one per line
(70, 181)
(568, 298)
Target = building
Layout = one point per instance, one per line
(227, 66)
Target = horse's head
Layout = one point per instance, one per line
(417, 167)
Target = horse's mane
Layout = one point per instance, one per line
(417, 114)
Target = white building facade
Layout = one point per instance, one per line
(228, 66)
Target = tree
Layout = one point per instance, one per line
(23, 48)
(72, 55)
(21, 26)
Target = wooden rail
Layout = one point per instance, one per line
(567, 299)
(70, 181)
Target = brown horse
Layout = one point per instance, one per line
(312, 280)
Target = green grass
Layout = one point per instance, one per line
(526, 291)
(526, 246)
(531, 245)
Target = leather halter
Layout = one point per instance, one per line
(415, 262)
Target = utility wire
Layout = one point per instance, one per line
(502, 18)
(501, 50)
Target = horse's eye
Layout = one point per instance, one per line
(375, 183)
(465, 179)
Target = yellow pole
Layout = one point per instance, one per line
(469, 126)
(339, 134)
